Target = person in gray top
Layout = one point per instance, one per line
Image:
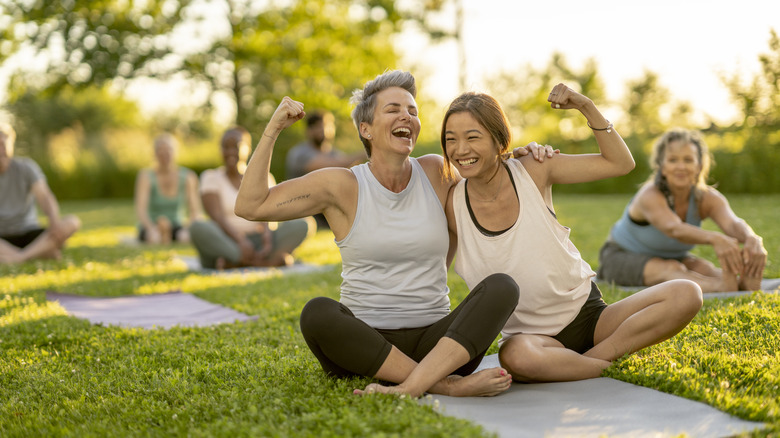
(317, 152)
(22, 185)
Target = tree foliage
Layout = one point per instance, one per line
(91, 42)
(315, 50)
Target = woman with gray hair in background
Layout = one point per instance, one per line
(651, 241)
(393, 321)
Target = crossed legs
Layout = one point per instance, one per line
(432, 358)
(46, 246)
(643, 319)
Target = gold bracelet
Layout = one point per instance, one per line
(608, 128)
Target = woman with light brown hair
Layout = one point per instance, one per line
(651, 241)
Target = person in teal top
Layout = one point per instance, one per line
(651, 241)
(161, 195)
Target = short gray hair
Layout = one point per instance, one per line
(365, 99)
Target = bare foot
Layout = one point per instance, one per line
(749, 283)
(730, 282)
(485, 383)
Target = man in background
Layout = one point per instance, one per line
(317, 151)
(22, 185)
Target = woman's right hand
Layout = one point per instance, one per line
(288, 112)
(728, 252)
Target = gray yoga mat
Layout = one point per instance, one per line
(148, 311)
(193, 264)
(589, 408)
(768, 285)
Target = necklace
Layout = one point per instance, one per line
(498, 192)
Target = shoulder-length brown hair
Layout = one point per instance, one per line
(488, 112)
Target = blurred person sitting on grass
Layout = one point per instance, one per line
(161, 193)
(228, 241)
(650, 243)
(22, 185)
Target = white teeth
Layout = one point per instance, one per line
(467, 162)
(402, 132)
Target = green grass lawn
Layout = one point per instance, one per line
(62, 376)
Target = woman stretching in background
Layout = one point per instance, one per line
(649, 244)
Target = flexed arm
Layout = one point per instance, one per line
(614, 158)
(329, 191)
(254, 190)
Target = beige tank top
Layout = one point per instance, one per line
(536, 252)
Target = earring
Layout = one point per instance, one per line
(369, 136)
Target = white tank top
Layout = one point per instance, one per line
(536, 252)
(394, 257)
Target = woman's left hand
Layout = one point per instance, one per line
(538, 151)
(563, 97)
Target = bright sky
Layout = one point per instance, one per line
(686, 42)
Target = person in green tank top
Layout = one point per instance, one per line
(162, 193)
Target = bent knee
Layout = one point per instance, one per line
(315, 315)
(522, 361)
(503, 287)
(687, 296)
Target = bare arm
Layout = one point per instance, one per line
(193, 203)
(652, 206)
(614, 157)
(142, 188)
(753, 252)
(49, 206)
(452, 227)
(331, 191)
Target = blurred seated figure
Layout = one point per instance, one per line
(228, 241)
(317, 152)
(162, 192)
(22, 185)
(650, 242)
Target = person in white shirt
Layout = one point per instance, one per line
(228, 241)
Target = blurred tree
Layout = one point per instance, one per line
(643, 104)
(91, 42)
(427, 15)
(759, 99)
(317, 51)
(749, 159)
(524, 98)
(40, 114)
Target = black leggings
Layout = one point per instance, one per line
(347, 346)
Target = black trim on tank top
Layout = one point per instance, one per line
(484, 230)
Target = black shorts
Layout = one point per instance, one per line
(174, 230)
(24, 239)
(578, 335)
